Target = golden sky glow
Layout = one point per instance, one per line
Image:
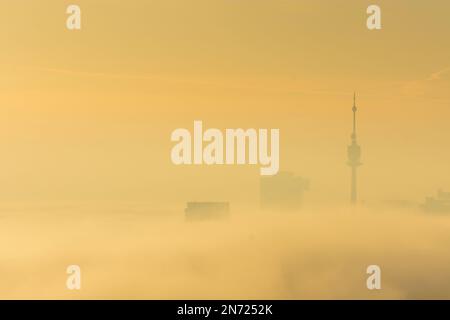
(87, 115)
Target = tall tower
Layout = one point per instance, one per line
(354, 154)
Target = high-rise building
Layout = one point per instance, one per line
(283, 191)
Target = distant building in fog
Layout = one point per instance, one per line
(283, 191)
(439, 204)
(207, 210)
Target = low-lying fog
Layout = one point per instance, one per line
(315, 253)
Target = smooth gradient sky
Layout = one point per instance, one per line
(87, 115)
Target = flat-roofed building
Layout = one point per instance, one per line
(441, 203)
(207, 210)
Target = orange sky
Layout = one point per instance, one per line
(87, 115)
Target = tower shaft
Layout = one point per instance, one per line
(353, 191)
(354, 156)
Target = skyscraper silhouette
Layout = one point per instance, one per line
(354, 155)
